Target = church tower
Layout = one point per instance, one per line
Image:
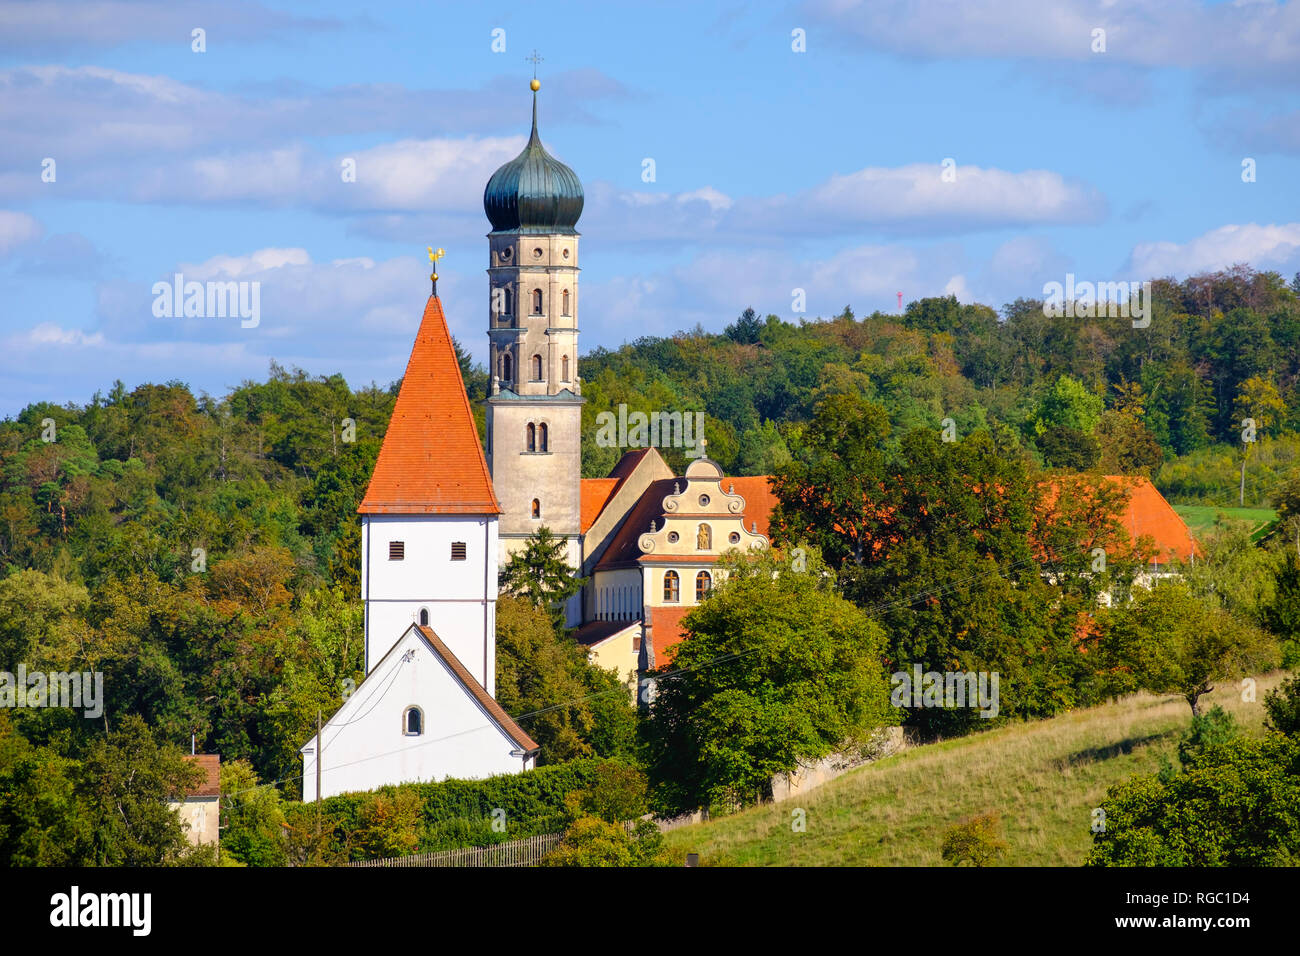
(429, 516)
(534, 406)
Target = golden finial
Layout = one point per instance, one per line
(536, 84)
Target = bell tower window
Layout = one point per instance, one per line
(564, 369)
(537, 302)
(564, 303)
(532, 437)
(537, 508)
(507, 368)
(543, 440)
(537, 368)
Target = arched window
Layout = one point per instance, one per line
(537, 302)
(543, 437)
(564, 302)
(424, 617)
(509, 302)
(703, 584)
(537, 368)
(672, 587)
(704, 540)
(507, 368)
(532, 437)
(413, 722)
(537, 508)
(564, 369)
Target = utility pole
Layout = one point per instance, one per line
(318, 757)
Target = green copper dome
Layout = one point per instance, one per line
(534, 192)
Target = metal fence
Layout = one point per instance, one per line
(525, 852)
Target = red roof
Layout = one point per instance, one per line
(666, 630)
(431, 461)
(759, 502)
(596, 493)
(1149, 514)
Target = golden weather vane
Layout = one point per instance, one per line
(433, 259)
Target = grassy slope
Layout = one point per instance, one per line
(1043, 778)
(1202, 518)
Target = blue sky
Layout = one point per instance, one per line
(774, 169)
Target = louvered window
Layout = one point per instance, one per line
(458, 550)
(396, 550)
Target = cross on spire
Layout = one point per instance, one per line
(534, 60)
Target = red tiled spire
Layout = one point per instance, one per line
(431, 461)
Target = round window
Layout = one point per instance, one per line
(704, 501)
(566, 253)
(672, 537)
(506, 253)
(537, 253)
(734, 537)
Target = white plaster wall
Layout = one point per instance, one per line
(364, 744)
(459, 595)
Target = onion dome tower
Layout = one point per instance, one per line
(534, 406)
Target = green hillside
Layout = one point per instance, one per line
(1043, 778)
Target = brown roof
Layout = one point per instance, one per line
(211, 785)
(431, 461)
(486, 701)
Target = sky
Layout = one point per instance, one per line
(850, 150)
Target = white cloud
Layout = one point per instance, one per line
(1263, 247)
(1258, 38)
(16, 229)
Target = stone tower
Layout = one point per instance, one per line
(534, 406)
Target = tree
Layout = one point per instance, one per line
(127, 778)
(746, 330)
(1172, 641)
(543, 678)
(253, 832)
(541, 573)
(1283, 707)
(1236, 804)
(1258, 402)
(1281, 615)
(776, 668)
(977, 841)
(591, 841)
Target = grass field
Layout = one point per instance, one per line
(1043, 778)
(1202, 519)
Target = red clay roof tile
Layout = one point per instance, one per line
(431, 461)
